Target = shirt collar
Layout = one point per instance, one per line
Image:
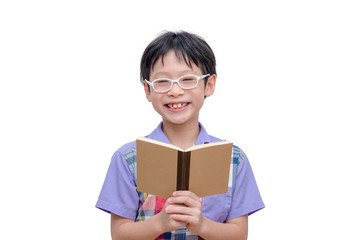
(159, 135)
(203, 136)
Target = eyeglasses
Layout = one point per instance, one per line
(162, 85)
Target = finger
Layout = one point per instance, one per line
(183, 210)
(185, 200)
(185, 193)
(184, 218)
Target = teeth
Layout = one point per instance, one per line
(176, 105)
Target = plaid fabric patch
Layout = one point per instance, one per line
(150, 205)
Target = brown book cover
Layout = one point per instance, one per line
(164, 168)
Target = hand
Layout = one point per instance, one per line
(167, 221)
(186, 207)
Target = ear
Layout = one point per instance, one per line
(147, 91)
(210, 86)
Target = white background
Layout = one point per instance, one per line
(288, 93)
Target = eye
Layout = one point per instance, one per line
(161, 81)
(188, 78)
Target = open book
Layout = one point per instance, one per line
(164, 168)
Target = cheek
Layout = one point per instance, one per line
(199, 100)
(156, 105)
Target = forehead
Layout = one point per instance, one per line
(173, 65)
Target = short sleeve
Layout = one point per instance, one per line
(119, 194)
(246, 198)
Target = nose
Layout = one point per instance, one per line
(175, 90)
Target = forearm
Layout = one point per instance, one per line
(229, 230)
(149, 229)
(188, 209)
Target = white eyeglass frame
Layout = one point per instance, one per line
(176, 81)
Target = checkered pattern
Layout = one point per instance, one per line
(150, 205)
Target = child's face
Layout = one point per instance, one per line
(178, 106)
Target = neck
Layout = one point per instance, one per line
(182, 136)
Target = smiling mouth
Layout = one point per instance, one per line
(176, 105)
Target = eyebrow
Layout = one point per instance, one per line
(168, 74)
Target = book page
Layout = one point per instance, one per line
(206, 145)
(156, 169)
(158, 143)
(209, 170)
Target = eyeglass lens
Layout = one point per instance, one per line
(185, 82)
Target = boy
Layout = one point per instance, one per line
(178, 73)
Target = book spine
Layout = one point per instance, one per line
(183, 170)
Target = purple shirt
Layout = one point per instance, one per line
(119, 194)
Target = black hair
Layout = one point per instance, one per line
(187, 46)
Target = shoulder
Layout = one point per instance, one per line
(124, 159)
(238, 155)
(125, 147)
(126, 152)
(214, 139)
